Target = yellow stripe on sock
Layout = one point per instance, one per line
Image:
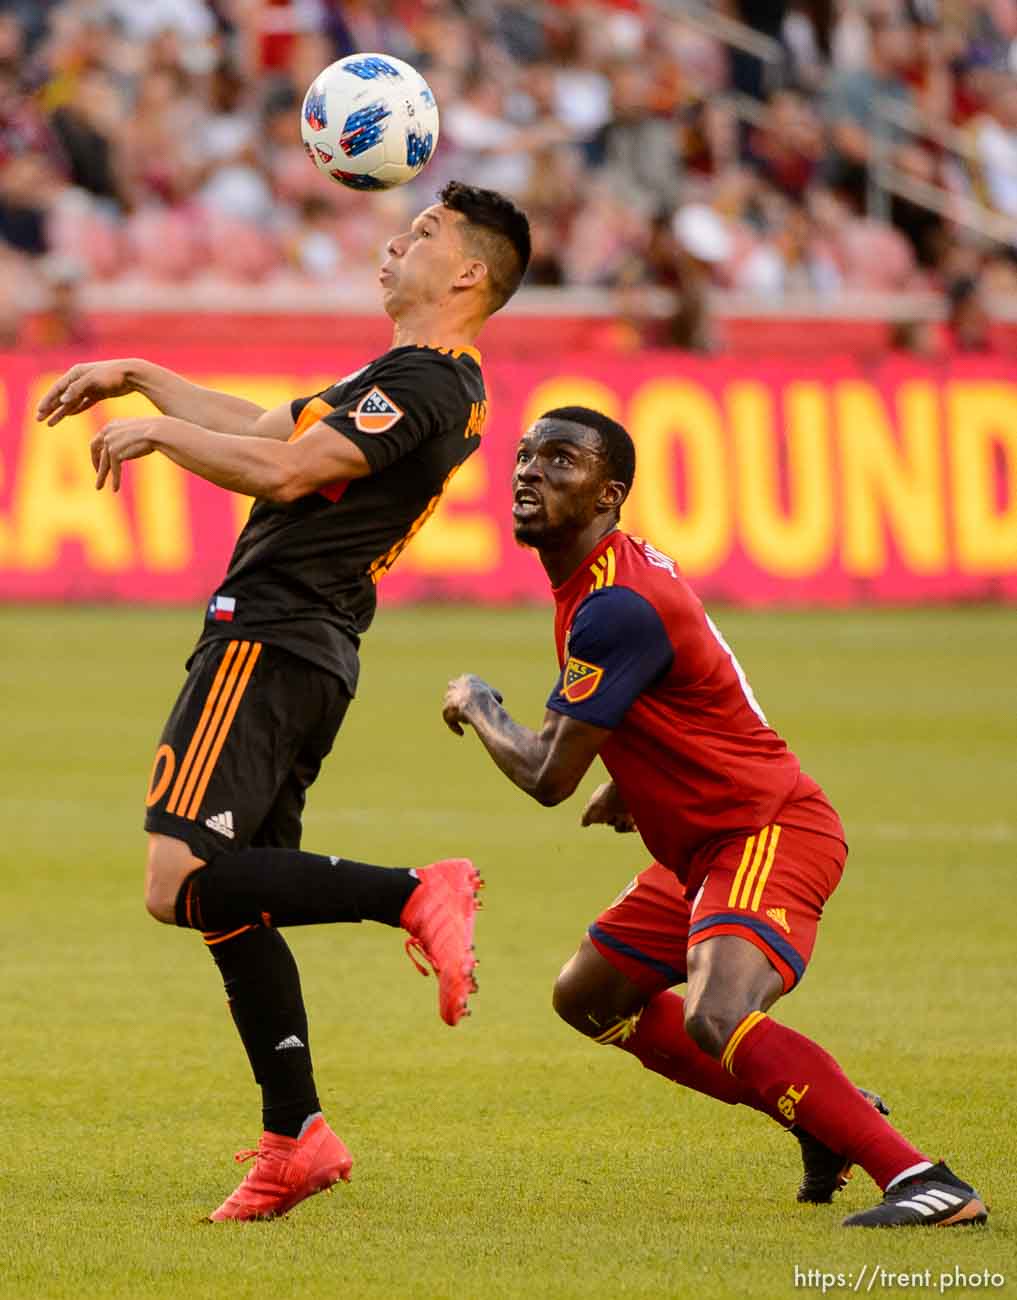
(750, 1022)
(746, 854)
(620, 1031)
(757, 858)
(774, 837)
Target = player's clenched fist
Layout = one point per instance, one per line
(463, 694)
(605, 808)
(84, 385)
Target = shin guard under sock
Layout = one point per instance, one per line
(808, 1088)
(259, 886)
(263, 989)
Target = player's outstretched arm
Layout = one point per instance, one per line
(547, 764)
(256, 466)
(94, 381)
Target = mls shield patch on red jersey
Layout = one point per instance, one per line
(375, 412)
(580, 680)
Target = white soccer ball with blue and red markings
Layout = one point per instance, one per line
(369, 121)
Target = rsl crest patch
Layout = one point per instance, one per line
(580, 679)
(375, 412)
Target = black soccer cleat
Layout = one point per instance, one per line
(825, 1171)
(935, 1198)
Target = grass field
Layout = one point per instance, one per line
(508, 1157)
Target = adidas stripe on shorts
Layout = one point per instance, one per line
(768, 888)
(246, 737)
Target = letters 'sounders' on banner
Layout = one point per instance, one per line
(767, 482)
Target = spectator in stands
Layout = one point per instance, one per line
(703, 243)
(638, 148)
(788, 149)
(158, 139)
(59, 322)
(792, 260)
(914, 337)
(969, 324)
(31, 168)
(88, 126)
(995, 139)
(858, 101)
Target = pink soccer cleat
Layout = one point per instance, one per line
(286, 1171)
(439, 917)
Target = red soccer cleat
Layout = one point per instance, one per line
(286, 1171)
(439, 917)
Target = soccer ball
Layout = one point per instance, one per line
(369, 121)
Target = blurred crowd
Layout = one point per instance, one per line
(158, 141)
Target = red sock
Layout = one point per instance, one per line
(809, 1088)
(662, 1045)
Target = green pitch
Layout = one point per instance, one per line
(507, 1157)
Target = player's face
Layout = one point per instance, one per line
(558, 483)
(422, 264)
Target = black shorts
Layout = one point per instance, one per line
(245, 739)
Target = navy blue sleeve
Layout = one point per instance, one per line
(617, 647)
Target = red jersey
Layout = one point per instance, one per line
(691, 752)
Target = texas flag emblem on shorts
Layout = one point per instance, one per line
(223, 608)
(375, 412)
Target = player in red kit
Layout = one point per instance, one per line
(748, 847)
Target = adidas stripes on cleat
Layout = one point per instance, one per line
(935, 1198)
(439, 916)
(286, 1171)
(826, 1172)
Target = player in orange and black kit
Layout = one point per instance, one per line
(343, 480)
(748, 847)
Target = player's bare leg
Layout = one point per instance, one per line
(167, 866)
(731, 986)
(592, 996)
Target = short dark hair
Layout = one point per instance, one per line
(619, 449)
(500, 232)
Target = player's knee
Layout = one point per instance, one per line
(169, 864)
(710, 1024)
(592, 997)
(571, 1001)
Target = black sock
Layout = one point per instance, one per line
(263, 989)
(289, 887)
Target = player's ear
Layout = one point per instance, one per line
(612, 495)
(471, 274)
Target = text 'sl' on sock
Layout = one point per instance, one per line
(807, 1087)
(660, 1042)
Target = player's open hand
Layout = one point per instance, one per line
(462, 695)
(121, 440)
(82, 386)
(605, 808)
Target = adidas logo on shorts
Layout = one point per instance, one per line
(221, 823)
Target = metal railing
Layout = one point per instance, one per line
(885, 178)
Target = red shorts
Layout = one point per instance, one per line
(768, 888)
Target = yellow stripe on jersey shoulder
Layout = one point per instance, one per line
(603, 570)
